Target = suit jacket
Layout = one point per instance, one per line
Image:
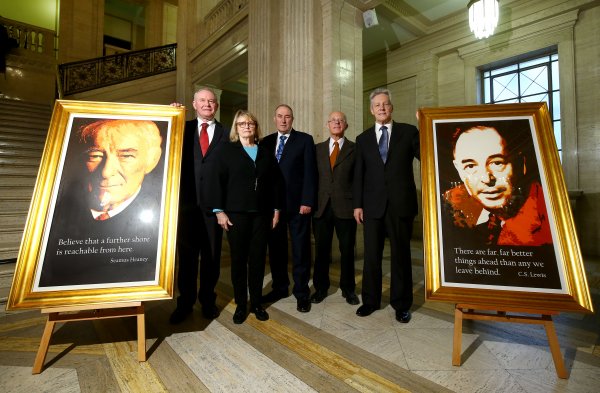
(243, 185)
(335, 185)
(196, 170)
(392, 185)
(298, 167)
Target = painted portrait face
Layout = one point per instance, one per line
(481, 159)
(119, 154)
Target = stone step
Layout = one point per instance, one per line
(26, 127)
(10, 191)
(7, 271)
(21, 170)
(22, 139)
(13, 219)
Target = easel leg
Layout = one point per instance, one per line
(456, 348)
(559, 363)
(43, 349)
(141, 332)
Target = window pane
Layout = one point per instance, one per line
(502, 70)
(555, 76)
(505, 87)
(537, 98)
(513, 101)
(534, 81)
(554, 57)
(533, 62)
(556, 106)
(486, 92)
(557, 135)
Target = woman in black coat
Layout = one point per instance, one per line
(247, 201)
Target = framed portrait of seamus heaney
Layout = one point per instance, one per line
(103, 218)
(498, 227)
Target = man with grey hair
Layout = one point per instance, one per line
(385, 202)
(198, 233)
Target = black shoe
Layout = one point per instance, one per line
(351, 298)
(318, 297)
(273, 296)
(259, 313)
(210, 311)
(403, 316)
(179, 315)
(239, 316)
(303, 305)
(365, 310)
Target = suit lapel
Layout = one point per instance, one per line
(394, 138)
(218, 134)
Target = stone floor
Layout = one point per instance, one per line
(329, 349)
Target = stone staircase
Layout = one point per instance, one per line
(23, 130)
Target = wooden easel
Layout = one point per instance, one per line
(468, 311)
(91, 312)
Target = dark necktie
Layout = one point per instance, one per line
(279, 152)
(383, 143)
(204, 138)
(334, 154)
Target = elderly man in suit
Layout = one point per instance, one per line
(385, 201)
(335, 164)
(295, 152)
(198, 233)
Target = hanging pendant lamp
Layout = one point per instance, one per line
(483, 17)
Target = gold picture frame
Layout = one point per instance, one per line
(532, 260)
(69, 256)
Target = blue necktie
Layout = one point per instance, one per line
(279, 152)
(383, 143)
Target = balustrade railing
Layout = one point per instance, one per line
(108, 70)
(219, 16)
(31, 38)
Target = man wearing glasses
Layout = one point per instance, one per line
(335, 163)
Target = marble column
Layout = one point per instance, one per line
(342, 65)
(81, 30)
(186, 20)
(307, 54)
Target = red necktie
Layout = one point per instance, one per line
(334, 154)
(204, 139)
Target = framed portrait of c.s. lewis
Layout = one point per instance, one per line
(102, 222)
(498, 227)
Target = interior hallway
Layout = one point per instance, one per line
(329, 349)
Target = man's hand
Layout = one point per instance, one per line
(358, 215)
(223, 221)
(275, 218)
(176, 104)
(305, 209)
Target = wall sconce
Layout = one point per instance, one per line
(483, 17)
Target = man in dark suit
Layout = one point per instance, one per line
(198, 232)
(295, 152)
(335, 163)
(385, 201)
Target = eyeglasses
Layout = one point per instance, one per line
(249, 124)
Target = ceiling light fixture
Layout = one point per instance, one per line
(483, 17)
